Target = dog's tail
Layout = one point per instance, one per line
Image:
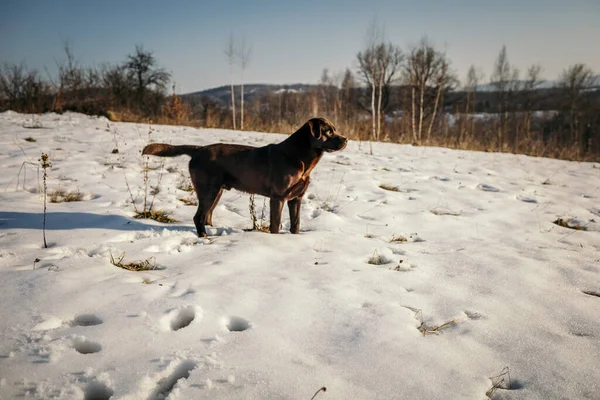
(167, 150)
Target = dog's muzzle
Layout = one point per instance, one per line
(336, 144)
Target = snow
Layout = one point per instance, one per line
(426, 288)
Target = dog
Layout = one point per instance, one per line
(279, 171)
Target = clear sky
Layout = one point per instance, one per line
(293, 41)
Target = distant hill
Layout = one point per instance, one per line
(222, 94)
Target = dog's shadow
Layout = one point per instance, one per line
(57, 221)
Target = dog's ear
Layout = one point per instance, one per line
(314, 126)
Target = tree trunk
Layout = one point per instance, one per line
(412, 122)
(372, 115)
(242, 103)
(379, 111)
(435, 106)
(421, 109)
(232, 101)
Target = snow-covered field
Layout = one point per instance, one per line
(465, 243)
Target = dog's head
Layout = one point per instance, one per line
(323, 135)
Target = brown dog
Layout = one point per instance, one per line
(279, 171)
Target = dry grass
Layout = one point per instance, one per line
(30, 139)
(185, 183)
(427, 329)
(190, 200)
(500, 381)
(398, 239)
(258, 224)
(62, 196)
(565, 223)
(146, 265)
(157, 215)
(391, 188)
(378, 259)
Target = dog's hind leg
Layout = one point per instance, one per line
(207, 197)
(294, 207)
(212, 208)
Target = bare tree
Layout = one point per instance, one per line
(427, 73)
(230, 52)
(528, 94)
(244, 53)
(389, 60)
(471, 84)
(574, 81)
(503, 79)
(378, 66)
(144, 72)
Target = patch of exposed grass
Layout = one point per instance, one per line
(146, 265)
(157, 215)
(398, 239)
(62, 196)
(189, 201)
(391, 188)
(570, 223)
(30, 139)
(185, 184)
(427, 329)
(378, 259)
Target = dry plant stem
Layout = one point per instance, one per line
(45, 165)
(160, 175)
(323, 389)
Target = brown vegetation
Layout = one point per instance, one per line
(410, 96)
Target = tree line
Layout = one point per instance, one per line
(410, 95)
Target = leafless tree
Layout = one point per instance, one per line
(230, 53)
(471, 84)
(574, 81)
(427, 73)
(503, 79)
(378, 66)
(528, 94)
(243, 55)
(142, 69)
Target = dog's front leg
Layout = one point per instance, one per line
(294, 207)
(276, 205)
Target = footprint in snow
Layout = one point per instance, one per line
(97, 391)
(471, 314)
(85, 346)
(180, 318)
(237, 324)
(487, 188)
(166, 384)
(526, 199)
(86, 320)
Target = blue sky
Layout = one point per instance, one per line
(292, 42)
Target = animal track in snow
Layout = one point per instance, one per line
(84, 346)
(526, 199)
(97, 391)
(180, 318)
(487, 188)
(237, 324)
(165, 385)
(86, 320)
(471, 314)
